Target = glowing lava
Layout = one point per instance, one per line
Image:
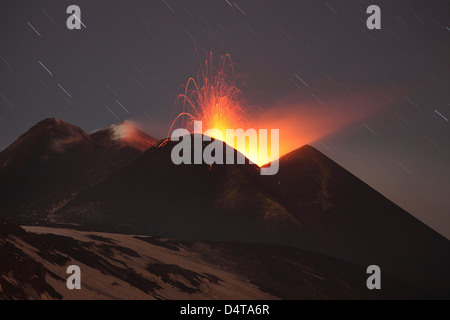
(215, 98)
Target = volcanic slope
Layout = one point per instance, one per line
(54, 160)
(311, 203)
(117, 266)
(356, 222)
(156, 197)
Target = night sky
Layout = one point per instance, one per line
(390, 88)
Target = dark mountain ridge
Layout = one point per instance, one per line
(50, 163)
(56, 174)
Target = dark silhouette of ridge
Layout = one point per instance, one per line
(154, 196)
(57, 174)
(52, 161)
(358, 223)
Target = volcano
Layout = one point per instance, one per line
(54, 160)
(210, 202)
(356, 222)
(312, 203)
(56, 174)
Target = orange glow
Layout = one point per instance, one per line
(214, 97)
(305, 121)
